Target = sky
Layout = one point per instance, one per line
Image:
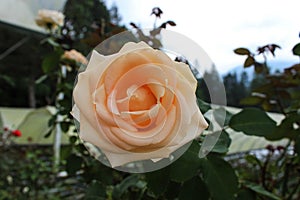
(220, 26)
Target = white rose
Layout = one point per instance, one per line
(50, 18)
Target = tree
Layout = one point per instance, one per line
(236, 88)
(114, 14)
(89, 22)
(210, 86)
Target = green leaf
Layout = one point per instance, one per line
(65, 152)
(253, 121)
(223, 143)
(246, 194)
(284, 94)
(96, 190)
(49, 132)
(97, 171)
(74, 163)
(249, 61)
(297, 146)
(222, 116)
(1, 121)
(171, 23)
(194, 189)
(41, 79)
(251, 101)
(220, 178)
(122, 187)
(156, 44)
(7, 79)
(187, 165)
(252, 159)
(52, 42)
(65, 126)
(52, 121)
(204, 107)
(50, 62)
(73, 139)
(286, 128)
(160, 176)
(173, 189)
(296, 49)
(258, 67)
(260, 190)
(242, 51)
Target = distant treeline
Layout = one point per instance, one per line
(237, 86)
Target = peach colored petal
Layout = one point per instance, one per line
(132, 46)
(142, 99)
(157, 88)
(90, 133)
(184, 71)
(116, 141)
(95, 61)
(105, 115)
(138, 77)
(121, 66)
(152, 136)
(137, 118)
(119, 159)
(83, 99)
(99, 99)
(168, 99)
(138, 55)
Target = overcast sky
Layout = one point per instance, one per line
(220, 26)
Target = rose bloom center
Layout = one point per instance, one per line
(142, 99)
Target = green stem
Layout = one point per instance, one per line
(283, 153)
(285, 179)
(264, 172)
(279, 103)
(294, 190)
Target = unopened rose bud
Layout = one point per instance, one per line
(279, 148)
(270, 148)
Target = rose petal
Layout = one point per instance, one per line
(75, 112)
(99, 99)
(185, 72)
(113, 118)
(121, 66)
(138, 77)
(132, 46)
(152, 136)
(156, 88)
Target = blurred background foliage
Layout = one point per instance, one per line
(27, 171)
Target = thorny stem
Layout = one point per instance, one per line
(294, 190)
(263, 172)
(285, 179)
(155, 21)
(283, 153)
(279, 103)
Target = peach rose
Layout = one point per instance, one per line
(137, 104)
(49, 19)
(75, 55)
